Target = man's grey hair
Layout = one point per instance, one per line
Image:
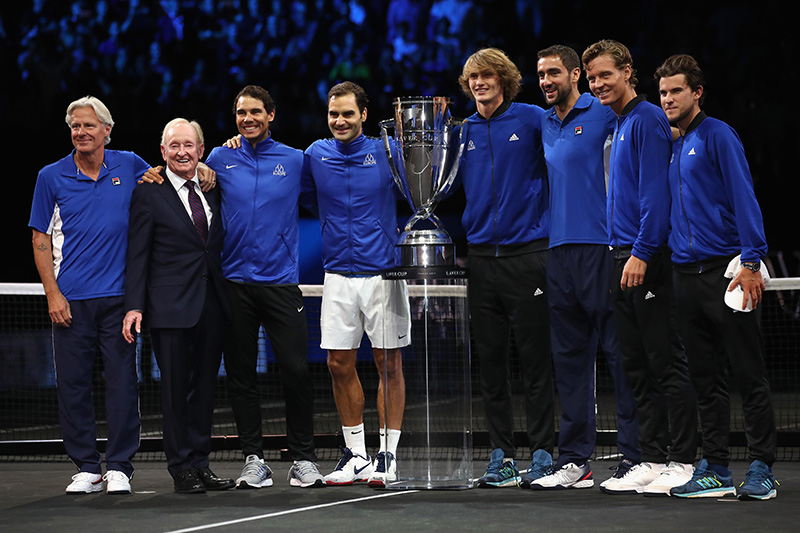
(179, 120)
(100, 109)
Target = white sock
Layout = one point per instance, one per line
(354, 439)
(389, 440)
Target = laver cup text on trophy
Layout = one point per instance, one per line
(424, 155)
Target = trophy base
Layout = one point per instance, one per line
(426, 248)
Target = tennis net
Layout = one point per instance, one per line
(29, 428)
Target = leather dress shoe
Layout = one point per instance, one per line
(189, 482)
(212, 482)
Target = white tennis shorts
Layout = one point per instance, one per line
(354, 305)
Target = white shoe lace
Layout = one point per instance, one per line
(84, 476)
(305, 468)
(115, 476)
(674, 468)
(255, 467)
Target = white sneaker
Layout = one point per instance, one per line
(255, 474)
(384, 470)
(569, 476)
(352, 468)
(117, 482)
(674, 475)
(635, 479)
(305, 474)
(85, 483)
(620, 470)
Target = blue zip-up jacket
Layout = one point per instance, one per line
(260, 192)
(575, 153)
(638, 184)
(505, 180)
(714, 208)
(350, 187)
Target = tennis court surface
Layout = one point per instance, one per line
(33, 500)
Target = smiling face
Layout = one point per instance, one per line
(182, 150)
(88, 133)
(486, 89)
(252, 119)
(344, 118)
(556, 82)
(680, 103)
(610, 83)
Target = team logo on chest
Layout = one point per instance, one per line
(470, 146)
(279, 170)
(369, 160)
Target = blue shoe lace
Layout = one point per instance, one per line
(494, 467)
(758, 478)
(380, 466)
(346, 456)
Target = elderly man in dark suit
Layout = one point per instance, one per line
(174, 282)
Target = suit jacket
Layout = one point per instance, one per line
(168, 267)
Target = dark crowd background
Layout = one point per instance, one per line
(152, 60)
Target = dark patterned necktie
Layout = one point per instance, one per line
(198, 212)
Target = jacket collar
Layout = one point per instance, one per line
(352, 146)
(261, 147)
(633, 103)
(700, 117)
(499, 111)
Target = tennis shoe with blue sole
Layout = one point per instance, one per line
(706, 483)
(500, 473)
(759, 483)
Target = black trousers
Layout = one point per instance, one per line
(509, 295)
(715, 335)
(188, 359)
(655, 363)
(281, 310)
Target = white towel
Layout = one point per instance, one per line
(735, 297)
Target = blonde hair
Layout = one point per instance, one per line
(495, 61)
(618, 53)
(100, 109)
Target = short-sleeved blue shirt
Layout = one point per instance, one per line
(574, 150)
(88, 221)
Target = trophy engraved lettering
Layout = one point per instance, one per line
(424, 154)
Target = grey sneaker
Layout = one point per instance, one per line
(305, 474)
(255, 474)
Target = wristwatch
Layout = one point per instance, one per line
(755, 266)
